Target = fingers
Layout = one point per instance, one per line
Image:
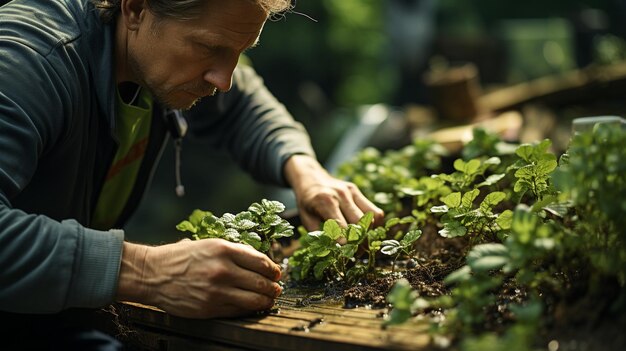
(257, 283)
(365, 205)
(342, 202)
(348, 203)
(227, 302)
(212, 278)
(248, 258)
(310, 222)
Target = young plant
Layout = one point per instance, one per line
(322, 256)
(404, 246)
(460, 217)
(258, 227)
(467, 172)
(534, 169)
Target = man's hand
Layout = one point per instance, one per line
(321, 196)
(199, 279)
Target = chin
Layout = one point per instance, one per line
(182, 103)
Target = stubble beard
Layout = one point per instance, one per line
(164, 96)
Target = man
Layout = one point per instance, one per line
(89, 93)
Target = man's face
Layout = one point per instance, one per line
(182, 61)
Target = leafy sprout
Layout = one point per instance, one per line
(258, 227)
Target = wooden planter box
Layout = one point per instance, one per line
(292, 327)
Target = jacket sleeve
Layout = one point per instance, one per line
(46, 265)
(252, 125)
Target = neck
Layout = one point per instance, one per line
(122, 72)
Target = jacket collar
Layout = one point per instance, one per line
(102, 60)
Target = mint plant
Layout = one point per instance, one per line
(403, 246)
(322, 256)
(460, 216)
(468, 172)
(534, 169)
(258, 227)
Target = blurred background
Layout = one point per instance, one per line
(380, 73)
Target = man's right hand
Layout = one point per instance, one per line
(199, 279)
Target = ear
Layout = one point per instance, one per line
(133, 13)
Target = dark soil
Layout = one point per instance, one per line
(436, 258)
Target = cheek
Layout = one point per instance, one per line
(181, 70)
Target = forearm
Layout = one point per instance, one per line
(61, 264)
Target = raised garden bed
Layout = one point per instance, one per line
(294, 325)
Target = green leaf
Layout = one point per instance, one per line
(228, 218)
(402, 295)
(348, 250)
(354, 233)
(197, 215)
(472, 167)
(187, 226)
(459, 165)
(439, 209)
(410, 237)
(492, 161)
(272, 220)
(390, 247)
(243, 221)
(253, 239)
(489, 249)
(545, 243)
(232, 234)
(492, 179)
(320, 268)
(452, 200)
(391, 222)
(525, 151)
(546, 167)
(256, 208)
(468, 198)
(282, 230)
(452, 229)
(505, 219)
(332, 229)
(319, 251)
(462, 274)
(366, 221)
(493, 199)
(272, 206)
(488, 263)
(487, 257)
(398, 316)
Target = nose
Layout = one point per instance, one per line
(220, 74)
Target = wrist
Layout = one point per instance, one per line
(299, 170)
(132, 283)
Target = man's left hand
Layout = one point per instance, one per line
(321, 196)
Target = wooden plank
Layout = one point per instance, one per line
(303, 328)
(587, 83)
